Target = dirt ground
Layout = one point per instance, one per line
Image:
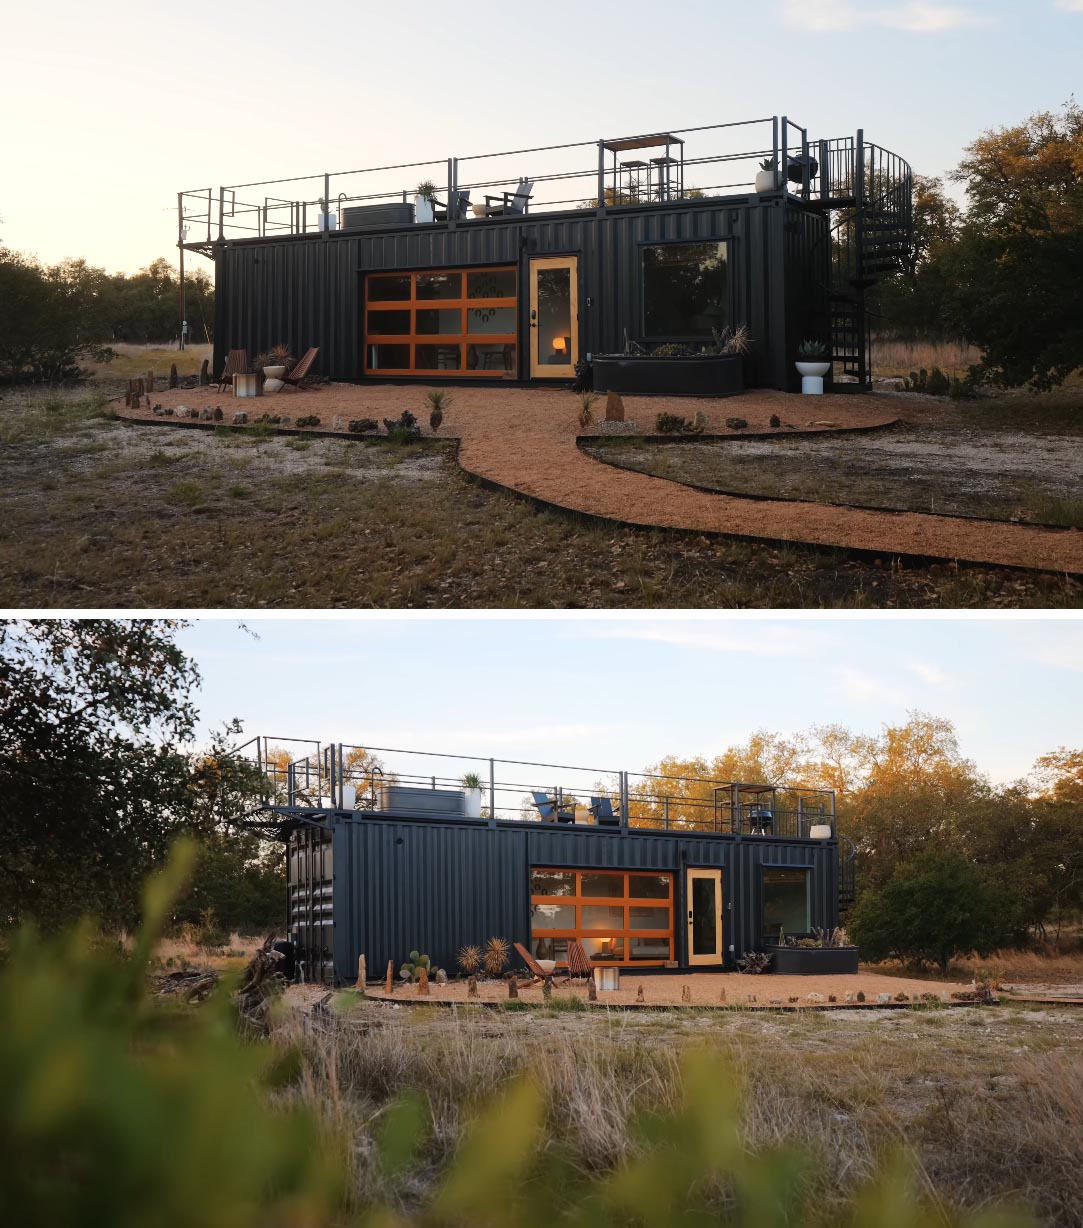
(945, 459)
(704, 989)
(525, 439)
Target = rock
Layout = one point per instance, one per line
(159, 411)
(338, 424)
(815, 997)
(273, 385)
(775, 1001)
(239, 417)
(614, 407)
(737, 424)
(218, 413)
(168, 411)
(182, 411)
(883, 997)
(849, 997)
(441, 977)
(207, 414)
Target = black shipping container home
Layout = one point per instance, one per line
(521, 263)
(696, 874)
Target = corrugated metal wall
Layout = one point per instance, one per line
(403, 884)
(306, 290)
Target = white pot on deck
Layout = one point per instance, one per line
(767, 181)
(812, 377)
(472, 803)
(274, 371)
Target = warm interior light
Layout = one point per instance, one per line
(558, 345)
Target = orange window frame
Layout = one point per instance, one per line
(578, 900)
(462, 339)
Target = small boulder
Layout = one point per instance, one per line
(614, 407)
(168, 411)
(441, 977)
(338, 423)
(240, 418)
(273, 385)
(159, 411)
(182, 411)
(816, 997)
(883, 997)
(218, 415)
(736, 424)
(774, 422)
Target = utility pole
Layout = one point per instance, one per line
(181, 235)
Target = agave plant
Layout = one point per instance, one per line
(812, 351)
(495, 958)
(469, 959)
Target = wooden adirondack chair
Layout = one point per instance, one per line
(532, 964)
(236, 364)
(299, 373)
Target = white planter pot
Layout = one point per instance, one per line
(812, 377)
(767, 181)
(275, 371)
(472, 803)
(273, 385)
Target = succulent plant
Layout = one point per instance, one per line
(469, 959)
(414, 956)
(495, 958)
(812, 350)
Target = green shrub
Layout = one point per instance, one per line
(362, 426)
(931, 909)
(404, 429)
(309, 420)
(671, 424)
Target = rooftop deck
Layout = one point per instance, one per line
(618, 172)
(426, 785)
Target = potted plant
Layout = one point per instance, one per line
(813, 364)
(472, 795)
(822, 953)
(274, 364)
(767, 176)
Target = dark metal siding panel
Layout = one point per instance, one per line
(306, 290)
(807, 265)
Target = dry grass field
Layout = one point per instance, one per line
(986, 1103)
(894, 358)
(94, 513)
(135, 360)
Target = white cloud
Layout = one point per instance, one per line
(862, 687)
(1070, 6)
(928, 673)
(743, 637)
(915, 16)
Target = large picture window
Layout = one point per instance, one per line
(786, 901)
(685, 290)
(619, 917)
(457, 321)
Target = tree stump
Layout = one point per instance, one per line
(513, 988)
(361, 973)
(639, 994)
(547, 990)
(472, 987)
(686, 994)
(614, 407)
(149, 381)
(173, 375)
(205, 373)
(423, 990)
(722, 996)
(592, 991)
(389, 981)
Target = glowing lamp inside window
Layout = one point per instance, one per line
(559, 345)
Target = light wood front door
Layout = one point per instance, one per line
(554, 317)
(704, 891)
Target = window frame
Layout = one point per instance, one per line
(460, 340)
(659, 338)
(625, 933)
(807, 870)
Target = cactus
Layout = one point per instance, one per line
(496, 956)
(423, 960)
(414, 956)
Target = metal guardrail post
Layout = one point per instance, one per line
(825, 173)
(601, 174)
(492, 790)
(784, 153)
(326, 206)
(221, 211)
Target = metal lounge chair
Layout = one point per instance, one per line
(532, 964)
(551, 811)
(236, 364)
(510, 202)
(604, 814)
(298, 375)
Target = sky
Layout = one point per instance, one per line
(109, 109)
(620, 693)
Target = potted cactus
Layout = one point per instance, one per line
(813, 365)
(472, 795)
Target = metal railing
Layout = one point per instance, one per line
(705, 161)
(307, 774)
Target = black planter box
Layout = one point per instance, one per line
(699, 375)
(813, 961)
